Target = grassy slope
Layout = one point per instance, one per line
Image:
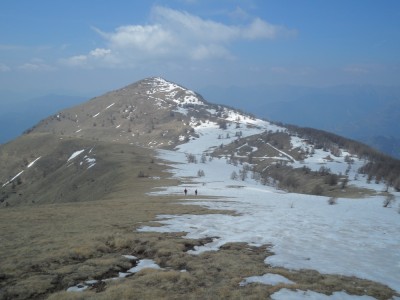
(79, 227)
(47, 248)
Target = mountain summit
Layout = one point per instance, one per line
(152, 113)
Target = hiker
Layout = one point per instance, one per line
(195, 192)
(185, 191)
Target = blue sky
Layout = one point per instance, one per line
(84, 47)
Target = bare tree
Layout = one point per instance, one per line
(191, 158)
(234, 175)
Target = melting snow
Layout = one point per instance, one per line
(285, 294)
(77, 288)
(75, 154)
(142, 264)
(270, 279)
(110, 105)
(32, 163)
(90, 161)
(12, 179)
(304, 231)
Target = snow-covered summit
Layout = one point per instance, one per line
(173, 92)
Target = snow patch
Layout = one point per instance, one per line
(144, 264)
(270, 279)
(12, 179)
(33, 162)
(75, 154)
(110, 105)
(286, 294)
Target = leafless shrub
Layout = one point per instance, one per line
(191, 158)
(234, 175)
(317, 190)
(243, 174)
(390, 198)
(332, 201)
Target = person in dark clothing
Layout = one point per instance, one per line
(185, 191)
(195, 192)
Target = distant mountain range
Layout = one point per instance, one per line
(368, 114)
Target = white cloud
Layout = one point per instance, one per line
(207, 51)
(173, 35)
(145, 38)
(96, 57)
(36, 65)
(98, 52)
(77, 60)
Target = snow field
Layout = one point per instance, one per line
(356, 237)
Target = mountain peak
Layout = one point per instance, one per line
(157, 113)
(152, 112)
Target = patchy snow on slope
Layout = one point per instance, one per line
(110, 105)
(356, 237)
(33, 162)
(336, 164)
(12, 179)
(91, 162)
(209, 132)
(144, 264)
(286, 294)
(75, 154)
(141, 265)
(171, 90)
(270, 279)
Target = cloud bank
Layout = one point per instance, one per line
(174, 35)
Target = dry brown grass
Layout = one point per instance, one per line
(47, 248)
(40, 262)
